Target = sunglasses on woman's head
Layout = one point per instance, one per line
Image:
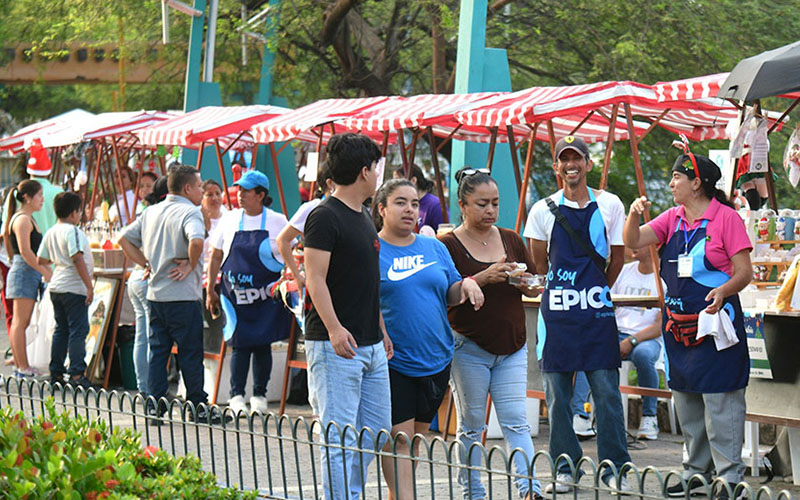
(473, 171)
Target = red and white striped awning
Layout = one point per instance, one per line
(700, 87)
(18, 142)
(304, 123)
(209, 123)
(542, 103)
(397, 113)
(689, 89)
(131, 123)
(698, 119)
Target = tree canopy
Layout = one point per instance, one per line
(348, 48)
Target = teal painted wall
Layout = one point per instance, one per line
(481, 69)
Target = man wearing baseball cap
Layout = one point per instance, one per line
(576, 238)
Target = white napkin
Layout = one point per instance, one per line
(718, 326)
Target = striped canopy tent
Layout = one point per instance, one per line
(315, 122)
(123, 130)
(19, 142)
(225, 127)
(700, 87)
(113, 135)
(589, 111)
(706, 89)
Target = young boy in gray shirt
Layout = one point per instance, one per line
(66, 246)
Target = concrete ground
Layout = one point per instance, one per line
(288, 469)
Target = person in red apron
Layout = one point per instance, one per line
(573, 233)
(705, 263)
(244, 243)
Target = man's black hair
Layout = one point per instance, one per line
(65, 203)
(179, 176)
(348, 154)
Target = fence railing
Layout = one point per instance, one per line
(279, 456)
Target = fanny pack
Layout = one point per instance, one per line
(683, 328)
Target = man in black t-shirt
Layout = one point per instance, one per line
(346, 347)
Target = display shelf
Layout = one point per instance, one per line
(766, 284)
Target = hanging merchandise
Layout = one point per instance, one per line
(791, 157)
(751, 139)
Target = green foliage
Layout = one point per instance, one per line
(385, 47)
(64, 458)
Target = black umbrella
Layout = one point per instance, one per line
(768, 74)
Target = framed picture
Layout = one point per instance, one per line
(100, 310)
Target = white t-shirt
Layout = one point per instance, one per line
(540, 221)
(60, 243)
(228, 226)
(112, 210)
(298, 220)
(632, 282)
(206, 246)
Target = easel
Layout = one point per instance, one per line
(294, 359)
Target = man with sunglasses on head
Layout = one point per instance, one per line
(576, 239)
(346, 346)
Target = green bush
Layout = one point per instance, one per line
(61, 457)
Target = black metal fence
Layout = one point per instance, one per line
(279, 456)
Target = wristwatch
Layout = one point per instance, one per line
(633, 340)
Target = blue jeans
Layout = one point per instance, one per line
(475, 374)
(72, 325)
(137, 292)
(240, 366)
(611, 438)
(180, 323)
(580, 395)
(644, 357)
(351, 392)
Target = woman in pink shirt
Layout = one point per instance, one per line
(705, 263)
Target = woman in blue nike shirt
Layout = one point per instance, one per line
(418, 282)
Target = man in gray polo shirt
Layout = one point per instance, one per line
(168, 237)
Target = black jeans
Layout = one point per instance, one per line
(72, 325)
(180, 323)
(240, 365)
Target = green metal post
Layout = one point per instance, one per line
(479, 69)
(286, 157)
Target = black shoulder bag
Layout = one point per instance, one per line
(599, 261)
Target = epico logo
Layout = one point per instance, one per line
(596, 297)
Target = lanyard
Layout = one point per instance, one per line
(687, 237)
(263, 220)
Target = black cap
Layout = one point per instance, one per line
(709, 171)
(572, 142)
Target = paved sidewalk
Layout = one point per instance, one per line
(663, 455)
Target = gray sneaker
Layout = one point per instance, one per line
(563, 484)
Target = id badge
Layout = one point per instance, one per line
(684, 266)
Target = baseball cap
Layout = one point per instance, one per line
(253, 178)
(709, 171)
(574, 143)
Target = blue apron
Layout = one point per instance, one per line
(577, 330)
(252, 317)
(700, 368)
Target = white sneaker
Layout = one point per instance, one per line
(237, 405)
(258, 404)
(583, 427)
(648, 429)
(623, 489)
(563, 484)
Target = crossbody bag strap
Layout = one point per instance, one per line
(599, 261)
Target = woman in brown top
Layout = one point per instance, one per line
(491, 356)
